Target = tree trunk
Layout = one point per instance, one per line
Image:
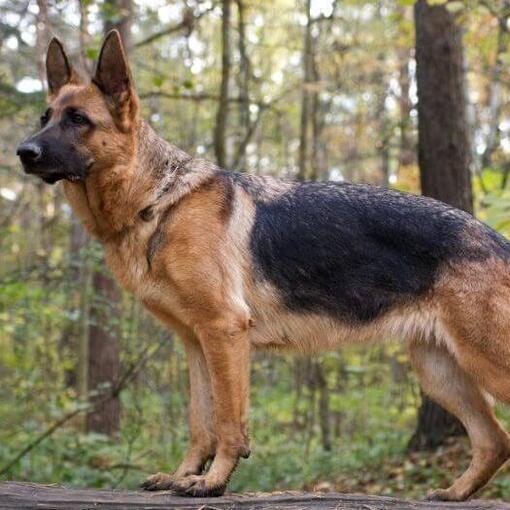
(103, 347)
(383, 120)
(74, 335)
(104, 363)
(434, 425)
(220, 141)
(443, 153)
(118, 14)
(42, 40)
(244, 89)
(494, 106)
(383, 142)
(306, 98)
(85, 39)
(406, 151)
(443, 140)
(324, 410)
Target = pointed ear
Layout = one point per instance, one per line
(58, 68)
(113, 77)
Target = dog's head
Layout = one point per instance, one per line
(89, 126)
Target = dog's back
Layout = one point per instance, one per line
(356, 252)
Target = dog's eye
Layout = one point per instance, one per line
(78, 118)
(45, 117)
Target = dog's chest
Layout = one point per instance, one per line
(130, 265)
(127, 259)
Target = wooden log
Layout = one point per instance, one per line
(29, 495)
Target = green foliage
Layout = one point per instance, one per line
(495, 201)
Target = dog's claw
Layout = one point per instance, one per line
(197, 487)
(442, 495)
(158, 482)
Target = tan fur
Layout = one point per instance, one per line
(179, 238)
(475, 306)
(447, 383)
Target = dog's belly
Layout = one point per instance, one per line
(303, 333)
(277, 327)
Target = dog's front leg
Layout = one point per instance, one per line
(202, 435)
(227, 352)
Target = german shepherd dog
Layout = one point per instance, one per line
(236, 262)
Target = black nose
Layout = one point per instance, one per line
(29, 152)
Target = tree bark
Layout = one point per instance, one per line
(494, 106)
(443, 136)
(118, 14)
(220, 132)
(74, 335)
(306, 98)
(383, 120)
(406, 152)
(383, 142)
(321, 383)
(104, 362)
(244, 89)
(443, 154)
(103, 347)
(42, 40)
(85, 39)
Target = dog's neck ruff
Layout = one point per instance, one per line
(173, 173)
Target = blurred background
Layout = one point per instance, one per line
(93, 392)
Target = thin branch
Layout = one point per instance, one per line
(204, 96)
(241, 150)
(187, 97)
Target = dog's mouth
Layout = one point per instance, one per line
(52, 176)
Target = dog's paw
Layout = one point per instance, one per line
(158, 482)
(444, 495)
(197, 487)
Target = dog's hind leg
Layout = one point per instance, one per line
(203, 440)
(448, 384)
